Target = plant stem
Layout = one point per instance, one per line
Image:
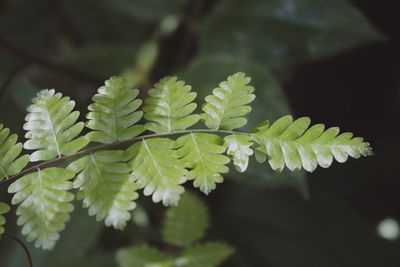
(108, 146)
(47, 64)
(23, 246)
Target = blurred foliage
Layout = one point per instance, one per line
(75, 45)
(183, 227)
(284, 32)
(186, 223)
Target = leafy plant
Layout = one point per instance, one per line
(183, 227)
(107, 179)
(4, 208)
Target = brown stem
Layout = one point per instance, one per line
(108, 146)
(47, 64)
(23, 246)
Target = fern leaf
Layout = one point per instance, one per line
(294, 144)
(143, 256)
(203, 154)
(10, 162)
(44, 204)
(156, 169)
(105, 188)
(113, 115)
(169, 106)
(186, 223)
(226, 107)
(52, 127)
(239, 149)
(210, 254)
(4, 208)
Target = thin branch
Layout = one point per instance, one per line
(7, 82)
(47, 64)
(23, 246)
(108, 146)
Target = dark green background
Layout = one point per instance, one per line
(333, 60)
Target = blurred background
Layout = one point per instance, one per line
(333, 60)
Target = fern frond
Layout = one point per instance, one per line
(113, 115)
(105, 188)
(143, 256)
(187, 222)
(45, 204)
(156, 168)
(294, 144)
(202, 154)
(210, 254)
(239, 149)
(226, 107)
(52, 127)
(169, 106)
(4, 208)
(10, 162)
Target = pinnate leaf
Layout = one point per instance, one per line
(296, 145)
(113, 116)
(44, 204)
(52, 127)
(10, 162)
(226, 107)
(104, 187)
(202, 154)
(169, 106)
(156, 168)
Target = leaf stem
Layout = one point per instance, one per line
(108, 146)
(28, 58)
(23, 246)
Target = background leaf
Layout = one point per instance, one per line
(187, 222)
(204, 255)
(143, 256)
(291, 32)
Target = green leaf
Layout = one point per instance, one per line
(10, 162)
(296, 145)
(4, 208)
(147, 56)
(270, 98)
(143, 256)
(270, 102)
(280, 33)
(239, 149)
(203, 155)
(156, 168)
(226, 107)
(113, 115)
(44, 204)
(105, 188)
(52, 127)
(169, 106)
(210, 254)
(186, 223)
